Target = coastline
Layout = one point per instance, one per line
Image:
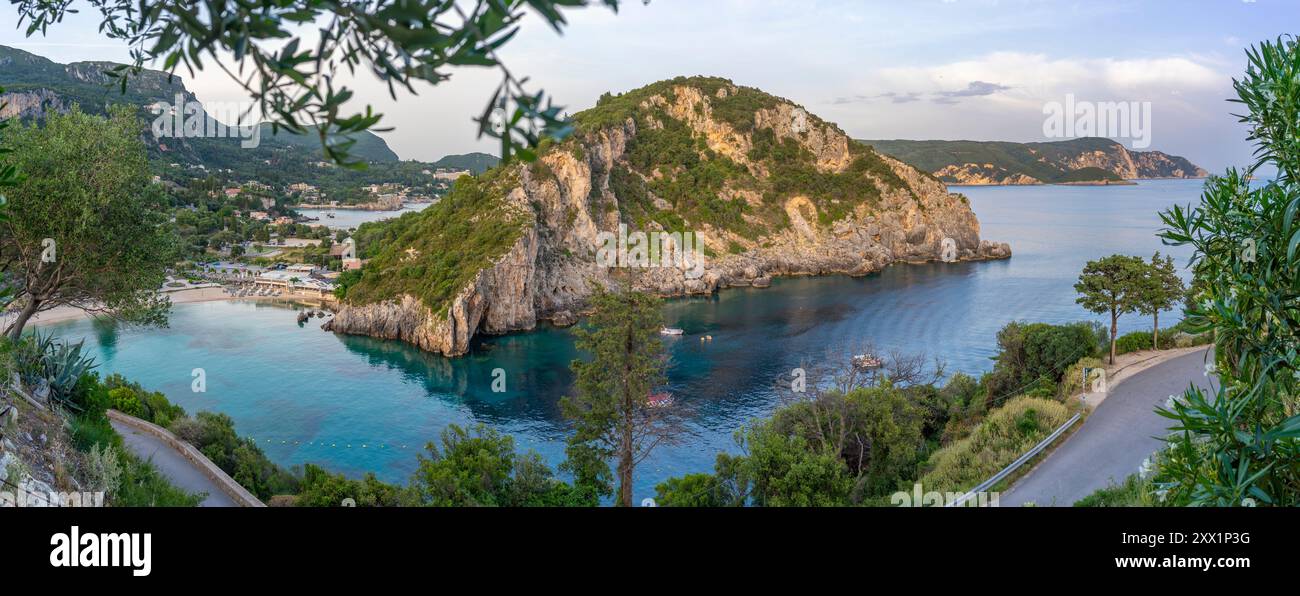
(1124, 182)
(190, 295)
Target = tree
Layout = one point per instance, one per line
(480, 468)
(832, 450)
(1238, 444)
(1112, 285)
(611, 410)
(1162, 290)
(8, 177)
(86, 229)
(298, 84)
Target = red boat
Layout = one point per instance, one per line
(661, 400)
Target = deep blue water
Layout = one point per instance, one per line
(358, 404)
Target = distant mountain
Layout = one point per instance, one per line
(34, 85)
(474, 162)
(1075, 161)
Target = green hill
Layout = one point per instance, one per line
(1089, 159)
(476, 163)
(34, 84)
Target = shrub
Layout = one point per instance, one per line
(43, 362)
(320, 488)
(1035, 356)
(1072, 383)
(214, 435)
(1133, 492)
(1006, 434)
(102, 469)
(124, 400)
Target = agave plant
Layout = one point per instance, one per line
(51, 368)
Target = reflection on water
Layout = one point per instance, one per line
(359, 404)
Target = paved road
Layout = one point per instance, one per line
(1114, 440)
(173, 465)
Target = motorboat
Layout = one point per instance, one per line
(661, 400)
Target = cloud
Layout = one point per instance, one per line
(891, 96)
(973, 89)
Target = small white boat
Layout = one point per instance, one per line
(671, 331)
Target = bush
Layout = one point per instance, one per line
(1006, 434)
(1072, 383)
(123, 399)
(143, 486)
(102, 469)
(214, 436)
(1035, 356)
(1134, 492)
(320, 488)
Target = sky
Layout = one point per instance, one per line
(909, 69)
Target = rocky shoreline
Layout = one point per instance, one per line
(549, 271)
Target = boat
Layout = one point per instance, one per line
(661, 400)
(671, 331)
(867, 361)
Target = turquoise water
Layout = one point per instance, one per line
(346, 219)
(358, 404)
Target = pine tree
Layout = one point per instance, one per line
(611, 410)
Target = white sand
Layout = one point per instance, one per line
(68, 313)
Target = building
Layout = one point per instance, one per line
(347, 249)
(449, 175)
(232, 192)
(295, 281)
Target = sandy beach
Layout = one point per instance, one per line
(67, 313)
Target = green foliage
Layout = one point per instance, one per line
(139, 483)
(214, 435)
(1137, 341)
(1239, 443)
(1006, 434)
(692, 490)
(683, 171)
(1135, 491)
(346, 280)
(475, 163)
(1089, 174)
(834, 450)
(1036, 356)
(479, 468)
(297, 84)
(431, 255)
(320, 488)
(610, 409)
(1161, 290)
(43, 362)
(8, 173)
(1047, 162)
(86, 187)
(1114, 286)
(1073, 382)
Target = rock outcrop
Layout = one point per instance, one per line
(614, 178)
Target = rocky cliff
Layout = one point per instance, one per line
(767, 188)
(1063, 162)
